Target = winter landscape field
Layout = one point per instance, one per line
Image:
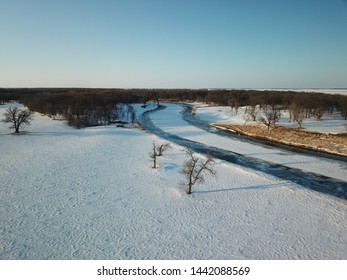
(92, 193)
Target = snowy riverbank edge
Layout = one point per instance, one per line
(334, 144)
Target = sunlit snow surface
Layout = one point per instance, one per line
(92, 194)
(341, 91)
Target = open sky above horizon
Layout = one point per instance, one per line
(173, 43)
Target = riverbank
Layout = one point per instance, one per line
(335, 144)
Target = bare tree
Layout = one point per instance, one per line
(162, 148)
(18, 117)
(318, 107)
(252, 112)
(270, 117)
(247, 118)
(297, 114)
(194, 167)
(155, 97)
(157, 151)
(343, 105)
(318, 112)
(234, 104)
(153, 155)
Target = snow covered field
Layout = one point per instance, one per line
(342, 91)
(92, 194)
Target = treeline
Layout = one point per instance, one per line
(83, 110)
(7, 95)
(86, 107)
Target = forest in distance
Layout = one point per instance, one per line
(83, 107)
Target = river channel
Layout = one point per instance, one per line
(316, 182)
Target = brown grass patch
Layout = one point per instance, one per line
(328, 143)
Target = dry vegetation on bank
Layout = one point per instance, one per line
(328, 143)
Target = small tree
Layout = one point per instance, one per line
(18, 117)
(343, 106)
(153, 155)
(318, 112)
(162, 148)
(234, 104)
(270, 117)
(194, 167)
(157, 151)
(297, 114)
(252, 112)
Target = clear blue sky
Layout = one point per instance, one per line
(173, 43)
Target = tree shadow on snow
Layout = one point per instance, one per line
(257, 187)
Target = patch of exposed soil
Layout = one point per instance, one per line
(328, 143)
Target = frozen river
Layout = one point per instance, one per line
(320, 173)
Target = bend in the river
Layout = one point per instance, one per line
(310, 180)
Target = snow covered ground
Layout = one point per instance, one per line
(92, 194)
(342, 91)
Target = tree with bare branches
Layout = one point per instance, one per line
(17, 117)
(162, 148)
(297, 114)
(157, 151)
(153, 155)
(194, 168)
(252, 112)
(270, 116)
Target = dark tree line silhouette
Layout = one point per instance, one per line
(85, 107)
